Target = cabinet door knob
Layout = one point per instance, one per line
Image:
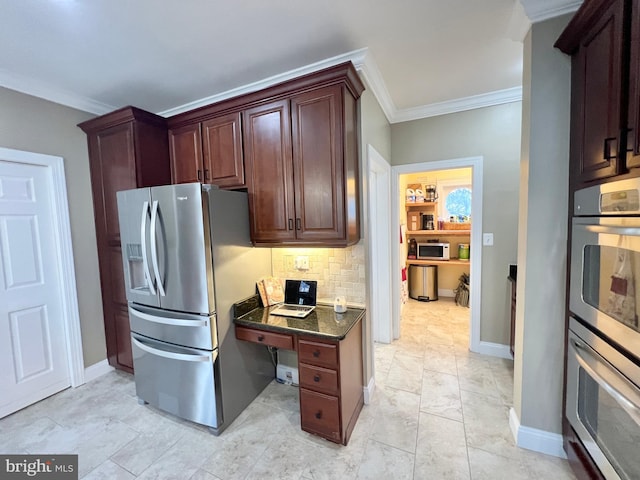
(206, 174)
(316, 353)
(199, 175)
(291, 224)
(316, 378)
(319, 414)
(298, 224)
(260, 338)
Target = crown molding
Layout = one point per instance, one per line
(538, 10)
(355, 56)
(40, 89)
(490, 99)
(362, 60)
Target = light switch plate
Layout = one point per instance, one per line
(302, 262)
(487, 239)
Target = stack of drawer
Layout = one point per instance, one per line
(319, 388)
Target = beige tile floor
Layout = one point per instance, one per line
(438, 412)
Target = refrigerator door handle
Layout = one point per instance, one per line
(154, 247)
(168, 321)
(171, 355)
(143, 243)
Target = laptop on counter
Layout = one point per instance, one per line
(299, 299)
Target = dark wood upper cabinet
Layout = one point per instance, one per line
(185, 144)
(223, 159)
(127, 149)
(596, 40)
(603, 39)
(294, 146)
(633, 117)
(208, 152)
(318, 162)
(269, 168)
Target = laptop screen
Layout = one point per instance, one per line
(300, 292)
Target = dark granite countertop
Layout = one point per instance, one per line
(323, 322)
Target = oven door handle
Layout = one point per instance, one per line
(613, 230)
(629, 400)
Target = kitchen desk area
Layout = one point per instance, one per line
(330, 364)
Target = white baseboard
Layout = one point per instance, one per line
(368, 391)
(443, 292)
(493, 349)
(97, 370)
(534, 439)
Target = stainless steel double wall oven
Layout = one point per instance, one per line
(603, 364)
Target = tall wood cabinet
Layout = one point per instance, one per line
(127, 149)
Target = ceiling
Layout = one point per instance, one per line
(419, 57)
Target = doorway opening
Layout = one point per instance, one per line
(449, 175)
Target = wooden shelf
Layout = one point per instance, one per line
(439, 232)
(421, 204)
(453, 261)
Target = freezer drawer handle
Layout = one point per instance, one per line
(154, 247)
(143, 242)
(168, 321)
(173, 356)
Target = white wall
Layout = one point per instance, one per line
(542, 232)
(35, 125)
(494, 134)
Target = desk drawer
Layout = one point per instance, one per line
(319, 379)
(279, 340)
(316, 353)
(320, 414)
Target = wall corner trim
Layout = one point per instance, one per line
(97, 370)
(533, 439)
(368, 391)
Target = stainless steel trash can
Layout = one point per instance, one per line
(423, 282)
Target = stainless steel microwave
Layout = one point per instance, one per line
(433, 251)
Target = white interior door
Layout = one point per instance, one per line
(33, 348)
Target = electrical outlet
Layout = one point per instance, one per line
(487, 239)
(302, 262)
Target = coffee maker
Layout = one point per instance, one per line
(430, 193)
(427, 222)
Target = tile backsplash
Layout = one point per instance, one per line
(338, 271)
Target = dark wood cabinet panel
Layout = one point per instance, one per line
(208, 152)
(320, 414)
(112, 151)
(223, 160)
(185, 145)
(128, 148)
(597, 74)
(318, 164)
(124, 355)
(269, 169)
(604, 83)
(633, 117)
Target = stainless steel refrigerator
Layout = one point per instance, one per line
(187, 258)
